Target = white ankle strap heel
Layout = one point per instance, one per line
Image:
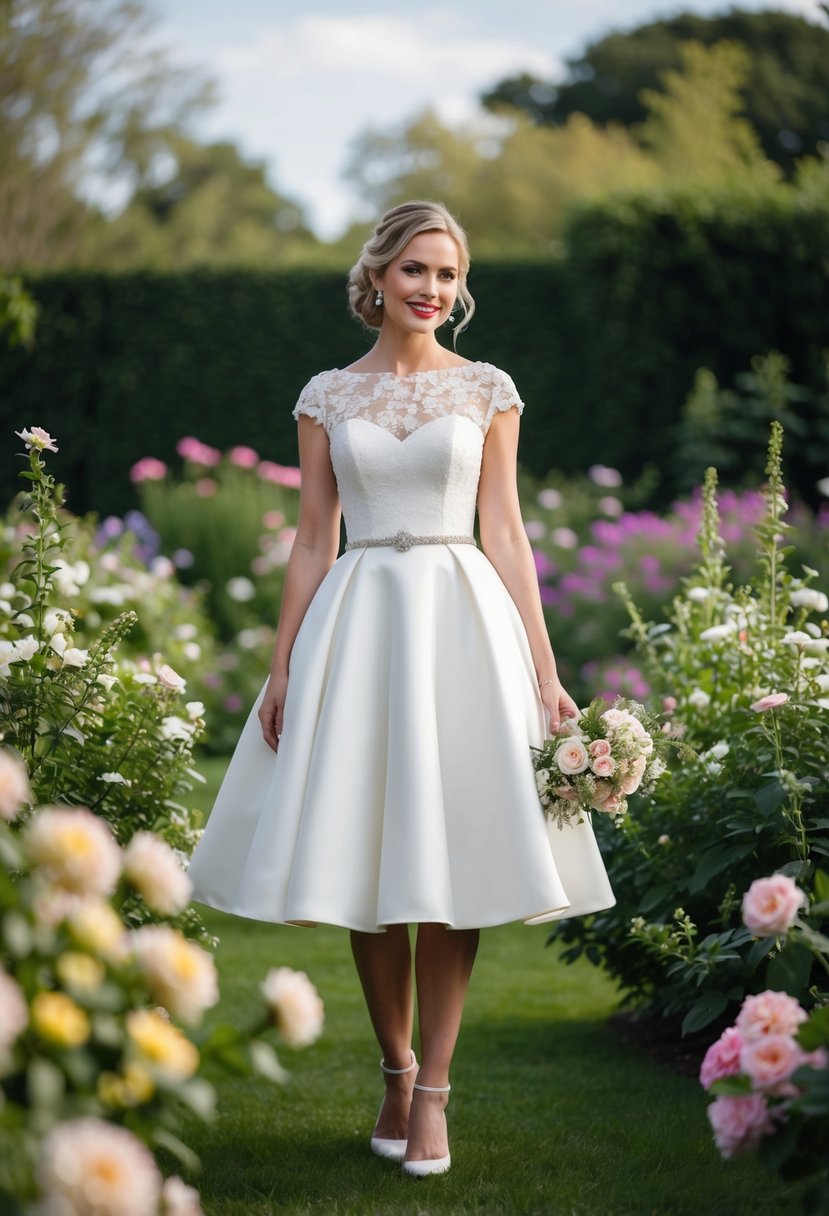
(382, 1147)
(435, 1165)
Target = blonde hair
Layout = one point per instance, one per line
(392, 234)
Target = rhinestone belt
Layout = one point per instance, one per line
(404, 540)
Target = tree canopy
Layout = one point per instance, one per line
(785, 91)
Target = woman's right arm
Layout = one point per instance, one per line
(313, 554)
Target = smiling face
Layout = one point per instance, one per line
(420, 286)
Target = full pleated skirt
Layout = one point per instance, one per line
(403, 789)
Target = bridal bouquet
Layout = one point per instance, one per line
(598, 760)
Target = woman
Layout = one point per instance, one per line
(410, 676)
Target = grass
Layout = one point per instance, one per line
(549, 1114)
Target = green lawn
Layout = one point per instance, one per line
(549, 1113)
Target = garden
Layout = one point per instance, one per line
(661, 282)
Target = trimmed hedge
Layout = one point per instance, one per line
(603, 343)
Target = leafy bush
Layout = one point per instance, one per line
(744, 671)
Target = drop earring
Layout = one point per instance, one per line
(378, 300)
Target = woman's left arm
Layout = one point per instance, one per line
(505, 542)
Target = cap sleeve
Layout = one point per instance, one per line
(504, 395)
(311, 402)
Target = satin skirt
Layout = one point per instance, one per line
(403, 788)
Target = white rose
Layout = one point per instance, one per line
(571, 757)
(151, 866)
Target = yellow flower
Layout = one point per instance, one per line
(77, 970)
(162, 1044)
(138, 1083)
(75, 848)
(96, 926)
(57, 1018)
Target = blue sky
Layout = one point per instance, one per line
(298, 81)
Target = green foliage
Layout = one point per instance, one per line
(785, 95)
(752, 804)
(18, 313)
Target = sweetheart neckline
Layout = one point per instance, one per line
(402, 438)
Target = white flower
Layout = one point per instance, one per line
(108, 595)
(162, 567)
(23, 649)
(295, 1005)
(107, 681)
(58, 643)
(173, 727)
(185, 632)
(38, 439)
(75, 848)
(6, 652)
(73, 657)
(718, 751)
(89, 1167)
(823, 486)
(69, 578)
(179, 1199)
(182, 977)
(14, 784)
(797, 637)
(14, 1012)
(168, 678)
(550, 498)
(240, 589)
(808, 597)
(192, 651)
(55, 621)
(114, 778)
(698, 594)
(151, 866)
(144, 677)
(565, 538)
(718, 633)
(195, 710)
(699, 699)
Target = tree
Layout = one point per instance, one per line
(81, 92)
(786, 91)
(211, 208)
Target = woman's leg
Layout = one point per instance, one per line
(384, 965)
(443, 965)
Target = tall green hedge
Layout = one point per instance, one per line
(602, 343)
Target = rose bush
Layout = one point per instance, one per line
(743, 672)
(101, 1038)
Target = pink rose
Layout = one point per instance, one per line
(769, 1013)
(604, 766)
(571, 757)
(566, 792)
(599, 747)
(609, 805)
(739, 1123)
(770, 905)
(168, 678)
(770, 702)
(771, 1060)
(722, 1059)
(614, 718)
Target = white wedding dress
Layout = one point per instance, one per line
(403, 789)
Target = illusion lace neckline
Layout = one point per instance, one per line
(429, 371)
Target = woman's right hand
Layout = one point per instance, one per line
(272, 708)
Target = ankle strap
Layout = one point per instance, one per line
(433, 1089)
(398, 1072)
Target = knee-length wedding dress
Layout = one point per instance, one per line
(403, 789)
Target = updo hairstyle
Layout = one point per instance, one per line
(391, 236)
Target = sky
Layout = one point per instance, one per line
(298, 81)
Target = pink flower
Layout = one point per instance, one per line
(722, 1059)
(14, 784)
(168, 678)
(769, 1013)
(243, 457)
(148, 469)
(571, 757)
(205, 487)
(197, 452)
(770, 905)
(609, 805)
(36, 437)
(599, 747)
(770, 1061)
(273, 519)
(90, 1166)
(279, 474)
(739, 1123)
(669, 704)
(604, 766)
(566, 792)
(633, 779)
(770, 702)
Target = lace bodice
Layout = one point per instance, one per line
(406, 450)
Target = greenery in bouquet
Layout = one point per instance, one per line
(93, 729)
(102, 1046)
(744, 678)
(598, 760)
(769, 1071)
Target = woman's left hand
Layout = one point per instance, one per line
(559, 704)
